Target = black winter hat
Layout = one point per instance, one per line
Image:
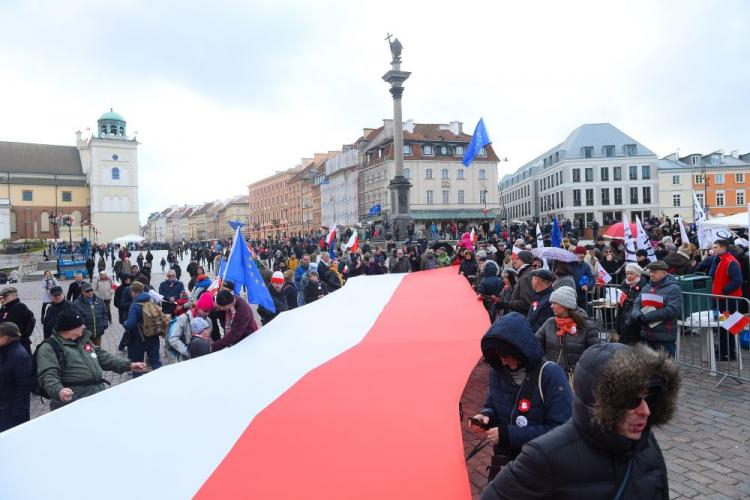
(68, 320)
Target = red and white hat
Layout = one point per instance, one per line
(278, 277)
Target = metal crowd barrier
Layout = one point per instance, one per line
(701, 342)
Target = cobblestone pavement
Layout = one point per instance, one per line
(30, 293)
(706, 446)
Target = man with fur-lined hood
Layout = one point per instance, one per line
(607, 449)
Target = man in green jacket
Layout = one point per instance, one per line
(77, 372)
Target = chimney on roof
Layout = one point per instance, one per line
(367, 131)
(456, 127)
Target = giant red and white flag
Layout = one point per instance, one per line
(366, 408)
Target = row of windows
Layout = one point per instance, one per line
(519, 210)
(44, 221)
(551, 180)
(446, 195)
(720, 198)
(426, 150)
(428, 174)
(517, 194)
(588, 173)
(28, 195)
(739, 178)
(605, 198)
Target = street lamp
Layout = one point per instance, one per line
(68, 220)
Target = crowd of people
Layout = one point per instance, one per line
(557, 384)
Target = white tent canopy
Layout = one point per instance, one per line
(128, 238)
(736, 220)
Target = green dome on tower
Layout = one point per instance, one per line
(111, 125)
(112, 116)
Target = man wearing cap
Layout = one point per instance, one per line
(77, 373)
(279, 301)
(59, 302)
(15, 378)
(658, 308)
(93, 311)
(523, 292)
(608, 449)
(515, 411)
(540, 309)
(15, 311)
(238, 319)
(180, 335)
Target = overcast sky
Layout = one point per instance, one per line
(224, 93)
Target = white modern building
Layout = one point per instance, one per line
(597, 173)
(443, 189)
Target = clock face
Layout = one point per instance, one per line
(115, 157)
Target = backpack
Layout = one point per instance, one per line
(154, 321)
(36, 388)
(171, 351)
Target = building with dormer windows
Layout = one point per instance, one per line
(596, 174)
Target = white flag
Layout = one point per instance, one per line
(629, 243)
(705, 239)
(683, 234)
(540, 243)
(644, 243)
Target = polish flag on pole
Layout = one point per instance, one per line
(296, 377)
(353, 243)
(331, 235)
(652, 300)
(735, 323)
(515, 251)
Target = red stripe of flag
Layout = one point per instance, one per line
(380, 420)
(736, 323)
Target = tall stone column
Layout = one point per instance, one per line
(399, 185)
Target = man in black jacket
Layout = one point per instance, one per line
(607, 450)
(15, 378)
(15, 311)
(540, 309)
(53, 311)
(74, 289)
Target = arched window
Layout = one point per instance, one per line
(115, 174)
(12, 221)
(122, 130)
(113, 129)
(104, 129)
(44, 220)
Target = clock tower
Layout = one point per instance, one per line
(109, 159)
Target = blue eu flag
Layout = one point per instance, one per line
(556, 236)
(375, 209)
(479, 140)
(241, 269)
